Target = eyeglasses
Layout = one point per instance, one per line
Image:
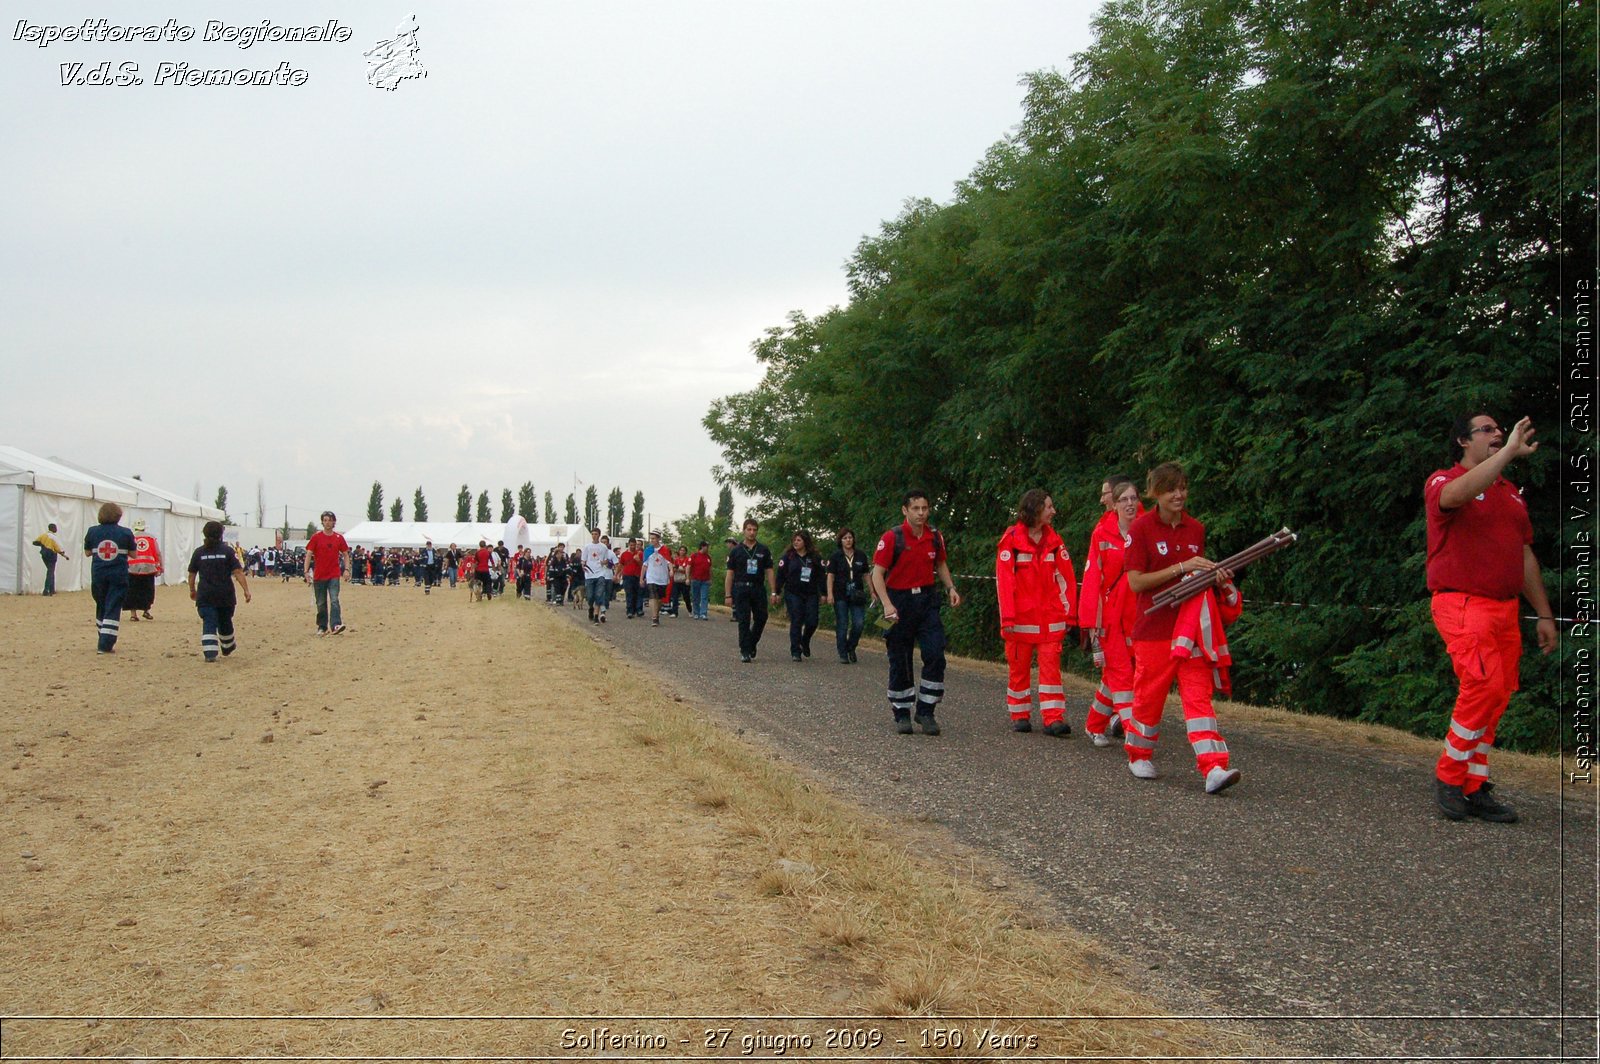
(1489, 429)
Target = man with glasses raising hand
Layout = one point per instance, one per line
(1480, 558)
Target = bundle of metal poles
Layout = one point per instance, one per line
(1197, 582)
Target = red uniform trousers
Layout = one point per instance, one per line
(1154, 669)
(1485, 647)
(1019, 688)
(1115, 696)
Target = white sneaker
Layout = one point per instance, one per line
(1220, 779)
(1145, 769)
(1098, 739)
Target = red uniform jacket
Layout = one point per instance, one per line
(1105, 600)
(1200, 631)
(1030, 600)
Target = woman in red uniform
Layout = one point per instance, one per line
(1165, 546)
(1106, 610)
(1036, 586)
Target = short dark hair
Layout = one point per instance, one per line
(914, 493)
(843, 532)
(212, 531)
(1462, 430)
(750, 522)
(1032, 505)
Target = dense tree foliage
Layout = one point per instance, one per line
(375, 503)
(591, 507)
(419, 506)
(549, 508)
(397, 512)
(636, 522)
(464, 504)
(528, 502)
(1283, 242)
(571, 512)
(483, 506)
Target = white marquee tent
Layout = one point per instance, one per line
(35, 492)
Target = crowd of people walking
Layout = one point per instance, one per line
(1479, 561)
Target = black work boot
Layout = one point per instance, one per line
(1485, 806)
(1452, 803)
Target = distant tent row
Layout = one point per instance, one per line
(35, 492)
(516, 532)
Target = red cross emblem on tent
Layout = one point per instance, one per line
(107, 550)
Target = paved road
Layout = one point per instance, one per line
(1323, 894)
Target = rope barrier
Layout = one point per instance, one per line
(1314, 605)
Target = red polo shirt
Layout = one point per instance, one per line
(699, 566)
(1477, 547)
(1156, 546)
(918, 562)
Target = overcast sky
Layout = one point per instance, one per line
(544, 260)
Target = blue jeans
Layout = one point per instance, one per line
(849, 622)
(327, 595)
(700, 590)
(49, 572)
(594, 590)
(632, 596)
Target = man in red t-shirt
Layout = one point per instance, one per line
(1480, 557)
(700, 582)
(483, 571)
(329, 557)
(903, 570)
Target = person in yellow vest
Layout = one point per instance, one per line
(144, 565)
(49, 551)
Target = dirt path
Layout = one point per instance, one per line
(1323, 894)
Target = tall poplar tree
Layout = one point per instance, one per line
(483, 507)
(464, 504)
(397, 511)
(615, 512)
(591, 507)
(549, 508)
(507, 506)
(572, 509)
(419, 506)
(528, 502)
(636, 523)
(375, 503)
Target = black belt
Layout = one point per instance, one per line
(923, 590)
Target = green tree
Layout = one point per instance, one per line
(591, 507)
(572, 510)
(483, 507)
(636, 522)
(222, 503)
(419, 506)
(375, 503)
(549, 508)
(615, 511)
(311, 530)
(1281, 243)
(464, 504)
(528, 502)
(397, 511)
(722, 526)
(508, 506)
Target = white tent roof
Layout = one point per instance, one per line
(461, 533)
(150, 496)
(53, 477)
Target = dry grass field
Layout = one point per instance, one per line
(380, 843)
